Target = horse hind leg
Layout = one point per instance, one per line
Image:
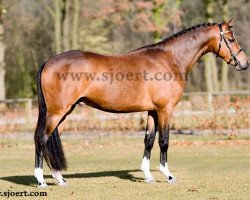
(48, 146)
(39, 145)
(149, 142)
(38, 172)
(56, 146)
(56, 174)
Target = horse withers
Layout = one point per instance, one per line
(151, 78)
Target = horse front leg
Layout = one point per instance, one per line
(149, 142)
(164, 117)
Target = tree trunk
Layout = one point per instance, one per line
(2, 63)
(65, 24)
(208, 74)
(57, 26)
(224, 69)
(214, 73)
(75, 24)
(211, 70)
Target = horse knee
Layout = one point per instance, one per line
(149, 142)
(149, 145)
(163, 145)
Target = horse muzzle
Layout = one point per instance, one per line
(244, 67)
(240, 67)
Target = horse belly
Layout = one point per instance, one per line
(112, 100)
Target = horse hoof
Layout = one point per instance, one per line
(42, 185)
(64, 184)
(171, 180)
(150, 180)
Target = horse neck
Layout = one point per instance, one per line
(188, 48)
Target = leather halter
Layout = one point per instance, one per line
(233, 56)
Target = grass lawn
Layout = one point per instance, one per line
(108, 168)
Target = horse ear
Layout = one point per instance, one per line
(229, 22)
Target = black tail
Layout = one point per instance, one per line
(51, 148)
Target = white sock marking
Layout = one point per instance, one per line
(57, 175)
(165, 171)
(38, 173)
(145, 167)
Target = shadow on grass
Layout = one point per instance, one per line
(31, 181)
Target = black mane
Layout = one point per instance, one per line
(176, 35)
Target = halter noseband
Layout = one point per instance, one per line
(233, 56)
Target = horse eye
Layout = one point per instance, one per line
(231, 40)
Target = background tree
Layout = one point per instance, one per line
(65, 15)
(36, 30)
(2, 53)
(211, 70)
(224, 66)
(158, 17)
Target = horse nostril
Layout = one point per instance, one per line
(246, 66)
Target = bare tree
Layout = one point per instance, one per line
(211, 70)
(58, 25)
(2, 53)
(224, 67)
(66, 25)
(75, 24)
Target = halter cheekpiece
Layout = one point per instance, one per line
(233, 56)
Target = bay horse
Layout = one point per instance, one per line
(175, 55)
